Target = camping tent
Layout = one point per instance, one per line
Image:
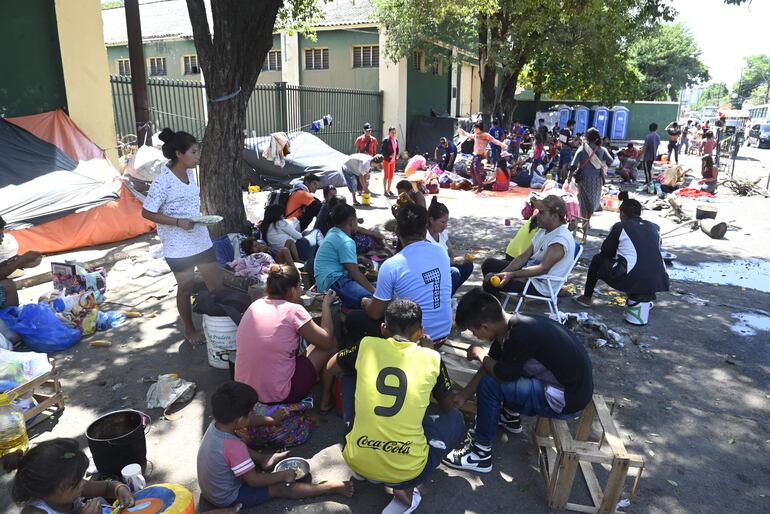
(308, 155)
(57, 190)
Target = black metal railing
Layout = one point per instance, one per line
(272, 108)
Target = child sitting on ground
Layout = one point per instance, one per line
(386, 388)
(49, 480)
(227, 473)
(502, 179)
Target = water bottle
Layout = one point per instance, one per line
(65, 303)
(13, 431)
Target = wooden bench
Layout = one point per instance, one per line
(560, 454)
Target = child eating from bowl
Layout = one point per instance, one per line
(227, 468)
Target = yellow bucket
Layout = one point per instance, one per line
(366, 199)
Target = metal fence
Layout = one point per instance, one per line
(273, 107)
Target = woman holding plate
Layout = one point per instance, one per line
(173, 202)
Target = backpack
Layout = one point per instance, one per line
(278, 197)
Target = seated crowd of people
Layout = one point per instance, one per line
(383, 316)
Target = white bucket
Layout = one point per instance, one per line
(637, 313)
(220, 337)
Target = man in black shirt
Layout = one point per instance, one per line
(543, 130)
(534, 367)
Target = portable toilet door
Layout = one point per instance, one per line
(565, 114)
(581, 119)
(619, 123)
(601, 121)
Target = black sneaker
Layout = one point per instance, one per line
(472, 457)
(511, 421)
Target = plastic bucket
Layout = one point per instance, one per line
(637, 313)
(220, 337)
(118, 439)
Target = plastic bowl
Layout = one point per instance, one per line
(298, 464)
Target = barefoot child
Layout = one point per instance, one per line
(386, 390)
(49, 480)
(227, 468)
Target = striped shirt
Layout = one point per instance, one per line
(222, 460)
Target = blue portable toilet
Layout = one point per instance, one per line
(582, 113)
(601, 120)
(619, 123)
(565, 114)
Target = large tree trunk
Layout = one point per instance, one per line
(231, 62)
(487, 70)
(508, 100)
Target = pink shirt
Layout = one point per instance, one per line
(267, 342)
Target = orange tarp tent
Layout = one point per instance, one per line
(113, 221)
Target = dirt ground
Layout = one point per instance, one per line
(691, 392)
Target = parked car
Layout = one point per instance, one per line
(759, 135)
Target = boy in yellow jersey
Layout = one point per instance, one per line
(386, 387)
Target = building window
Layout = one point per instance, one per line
(157, 66)
(190, 65)
(124, 67)
(317, 59)
(366, 56)
(272, 61)
(438, 65)
(418, 57)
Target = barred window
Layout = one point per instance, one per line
(272, 61)
(438, 65)
(190, 65)
(366, 56)
(124, 67)
(317, 59)
(157, 66)
(418, 57)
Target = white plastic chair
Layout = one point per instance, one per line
(555, 284)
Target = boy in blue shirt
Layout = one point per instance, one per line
(498, 133)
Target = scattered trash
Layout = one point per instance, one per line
(622, 504)
(594, 332)
(731, 441)
(100, 343)
(117, 386)
(750, 323)
(169, 389)
(672, 483)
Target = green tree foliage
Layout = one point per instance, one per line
(755, 81)
(669, 54)
(577, 48)
(714, 94)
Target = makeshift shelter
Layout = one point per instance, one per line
(57, 190)
(308, 155)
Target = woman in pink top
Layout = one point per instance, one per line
(481, 140)
(268, 340)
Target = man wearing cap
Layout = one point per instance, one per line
(366, 142)
(356, 171)
(551, 252)
(445, 154)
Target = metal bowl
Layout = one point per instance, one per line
(298, 464)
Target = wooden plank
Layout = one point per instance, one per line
(35, 382)
(615, 482)
(586, 420)
(610, 430)
(592, 483)
(561, 435)
(581, 508)
(50, 402)
(565, 479)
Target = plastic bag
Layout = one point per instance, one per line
(147, 163)
(169, 389)
(17, 368)
(39, 327)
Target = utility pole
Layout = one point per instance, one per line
(138, 73)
